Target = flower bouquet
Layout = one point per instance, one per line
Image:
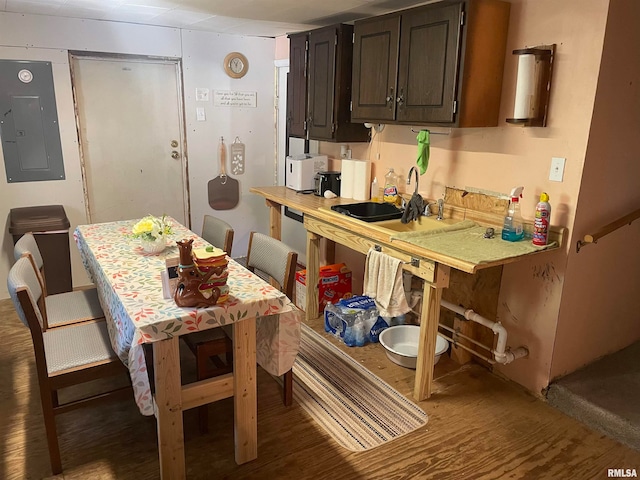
(153, 233)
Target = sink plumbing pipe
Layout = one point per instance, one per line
(500, 353)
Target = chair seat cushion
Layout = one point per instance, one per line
(77, 346)
(73, 307)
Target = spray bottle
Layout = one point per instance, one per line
(513, 230)
(541, 223)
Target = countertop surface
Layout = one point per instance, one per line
(320, 208)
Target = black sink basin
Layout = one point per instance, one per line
(369, 211)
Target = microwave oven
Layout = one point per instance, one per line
(301, 170)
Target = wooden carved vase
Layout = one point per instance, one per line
(190, 278)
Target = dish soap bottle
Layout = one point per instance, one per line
(541, 223)
(513, 230)
(391, 187)
(375, 191)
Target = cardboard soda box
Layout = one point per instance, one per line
(334, 284)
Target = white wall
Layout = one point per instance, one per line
(37, 37)
(202, 62)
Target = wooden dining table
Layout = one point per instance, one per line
(265, 324)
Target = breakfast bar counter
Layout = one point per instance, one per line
(432, 266)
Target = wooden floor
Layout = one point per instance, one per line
(480, 426)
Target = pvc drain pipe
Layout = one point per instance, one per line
(501, 353)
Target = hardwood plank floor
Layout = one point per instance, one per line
(480, 427)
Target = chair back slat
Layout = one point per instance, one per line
(27, 243)
(27, 246)
(218, 233)
(274, 258)
(22, 277)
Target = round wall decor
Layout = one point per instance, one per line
(236, 65)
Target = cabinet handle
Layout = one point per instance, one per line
(400, 98)
(390, 98)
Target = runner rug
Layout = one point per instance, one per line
(357, 408)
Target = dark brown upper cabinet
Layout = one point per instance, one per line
(439, 64)
(297, 85)
(326, 95)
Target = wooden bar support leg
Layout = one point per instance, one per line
(275, 219)
(166, 361)
(313, 272)
(329, 251)
(245, 397)
(429, 318)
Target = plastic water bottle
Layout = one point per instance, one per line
(333, 324)
(358, 333)
(349, 336)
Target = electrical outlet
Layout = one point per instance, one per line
(557, 169)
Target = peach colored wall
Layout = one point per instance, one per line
(502, 157)
(600, 309)
(282, 48)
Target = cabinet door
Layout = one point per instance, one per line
(297, 86)
(375, 67)
(429, 60)
(322, 72)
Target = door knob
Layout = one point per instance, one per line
(175, 155)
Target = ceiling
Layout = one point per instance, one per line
(265, 18)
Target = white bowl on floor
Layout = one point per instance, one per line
(401, 344)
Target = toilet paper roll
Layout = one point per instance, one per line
(361, 180)
(525, 86)
(346, 178)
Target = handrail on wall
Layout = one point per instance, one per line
(606, 230)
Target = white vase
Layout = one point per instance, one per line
(154, 246)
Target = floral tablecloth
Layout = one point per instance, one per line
(130, 291)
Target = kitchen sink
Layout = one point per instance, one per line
(369, 211)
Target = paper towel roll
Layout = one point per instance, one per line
(361, 180)
(346, 178)
(525, 86)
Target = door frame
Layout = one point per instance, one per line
(181, 118)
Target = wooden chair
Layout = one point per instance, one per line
(218, 233)
(277, 260)
(65, 356)
(62, 308)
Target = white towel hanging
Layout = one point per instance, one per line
(383, 283)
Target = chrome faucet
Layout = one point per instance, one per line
(427, 209)
(413, 169)
(440, 209)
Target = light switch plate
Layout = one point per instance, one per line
(557, 169)
(200, 115)
(202, 94)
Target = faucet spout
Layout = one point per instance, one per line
(414, 170)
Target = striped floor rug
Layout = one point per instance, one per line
(354, 406)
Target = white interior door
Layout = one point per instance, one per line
(131, 132)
